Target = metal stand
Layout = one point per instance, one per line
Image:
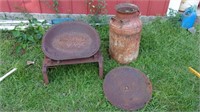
(49, 63)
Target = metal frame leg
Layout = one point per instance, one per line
(45, 76)
(100, 62)
(49, 63)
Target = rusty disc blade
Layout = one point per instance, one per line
(70, 40)
(127, 88)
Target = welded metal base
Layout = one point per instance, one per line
(49, 63)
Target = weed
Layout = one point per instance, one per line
(96, 8)
(53, 6)
(29, 35)
(174, 17)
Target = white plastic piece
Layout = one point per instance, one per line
(198, 12)
(9, 27)
(192, 30)
(16, 21)
(10, 24)
(7, 74)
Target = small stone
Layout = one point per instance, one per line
(1, 62)
(30, 62)
(192, 30)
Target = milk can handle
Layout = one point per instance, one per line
(115, 19)
(138, 12)
(119, 20)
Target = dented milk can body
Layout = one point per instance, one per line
(125, 33)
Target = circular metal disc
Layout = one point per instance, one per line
(127, 88)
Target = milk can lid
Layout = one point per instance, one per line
(126, 8)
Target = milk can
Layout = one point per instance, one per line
(125, 33)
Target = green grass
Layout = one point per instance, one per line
(166, 52)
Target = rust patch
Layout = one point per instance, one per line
(72, 40)
(124, 48)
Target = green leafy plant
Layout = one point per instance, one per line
(28, 34)
(174, 17)
(55, 6)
